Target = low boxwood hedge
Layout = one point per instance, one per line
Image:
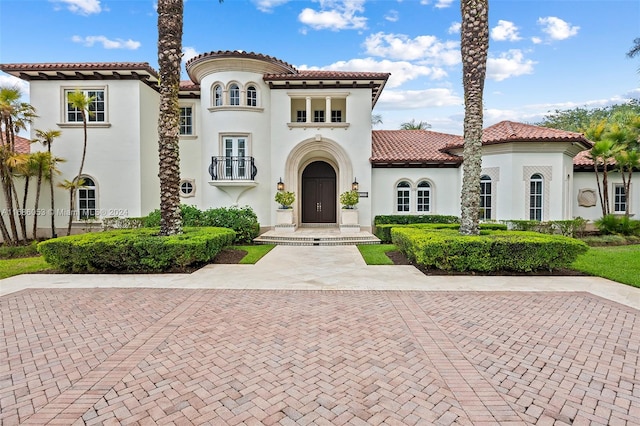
(134, 250)
(491, 251)
(405, 219)
(384, 231)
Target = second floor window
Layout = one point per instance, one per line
(301, 116)
(336, 116)
(97, 107)
(234, 95)
(186, 121)
(252, 96)
(318, 116)
(217, 95)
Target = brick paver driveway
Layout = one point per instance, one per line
(145, 356)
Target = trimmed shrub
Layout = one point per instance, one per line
(405, 219)
(242, 220)
(491, 251)
(134, 250)
(384, 231)
(123, 223)
(568, 228)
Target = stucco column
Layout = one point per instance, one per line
(308, 108)
(327, 113)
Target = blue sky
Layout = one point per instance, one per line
(544, 55)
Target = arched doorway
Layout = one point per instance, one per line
(319, 193)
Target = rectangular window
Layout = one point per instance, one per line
(318, 116)
(186, 121)
(404, 200)
(485, 200)
(235, 162)
(301, 116)
(336, 116)
(535, 200)
(619, 199)
(97, 107)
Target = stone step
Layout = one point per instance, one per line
(318, 237)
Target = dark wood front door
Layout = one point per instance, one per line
(319, 193)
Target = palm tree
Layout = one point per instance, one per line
(14, 116)
(635, 50)
(474, 45)
(46, 137)
(42, 163)
(412, 125)
(376, 119)
(80, 101)
(626, 161)
(169, 59)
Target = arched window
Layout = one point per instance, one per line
(485, 198)
(234, 95)
(536, 187)
(217, 95)
(252, 96)
(403, 196)
(87, 199)
(424, 197)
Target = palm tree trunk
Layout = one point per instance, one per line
(169, 60)
(595, 167)
(36, 202)
(72, 191)
(474, 46)
(605, 190)
(52, 212)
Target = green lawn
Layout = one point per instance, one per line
(24, 265)
(374, 254)
(254, 253)
(618, 263)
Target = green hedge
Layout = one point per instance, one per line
(384, 231)
(491, 251)
(134, 250)
(405, 219)
(243, 220)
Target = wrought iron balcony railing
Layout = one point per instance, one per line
(233, 168)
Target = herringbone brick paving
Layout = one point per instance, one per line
(178, 356)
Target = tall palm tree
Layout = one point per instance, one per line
(169, 60)
(14, 116)
(412, 125)
(46, 137)
(474, 46)
(80, 101)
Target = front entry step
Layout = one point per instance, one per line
(321, 236)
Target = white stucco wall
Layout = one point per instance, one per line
(445, 189)
(587, 181)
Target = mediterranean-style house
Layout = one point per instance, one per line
(251, 122)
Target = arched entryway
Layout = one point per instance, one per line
(319, 193)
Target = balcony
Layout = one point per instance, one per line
(232, 169)
(233, 175)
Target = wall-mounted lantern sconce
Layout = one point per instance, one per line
(355, 185)
(280, 185)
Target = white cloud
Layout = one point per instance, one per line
(440, 4)
(414, 99)
(335, 15)
(454, 28)
(556, 28)
(82, 7)
(268, 5)
(400, 46)
(505, 31)
(509, 64)
(392, 16)
(536, 40)
(401, 71)
(118, 43)
(188, 53)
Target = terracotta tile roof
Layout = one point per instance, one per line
(80, 66)
(412, 147)
(23, 146)
(510, 131)
(188, 85)
(239, 54)
(328, 75)
(582, 159)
